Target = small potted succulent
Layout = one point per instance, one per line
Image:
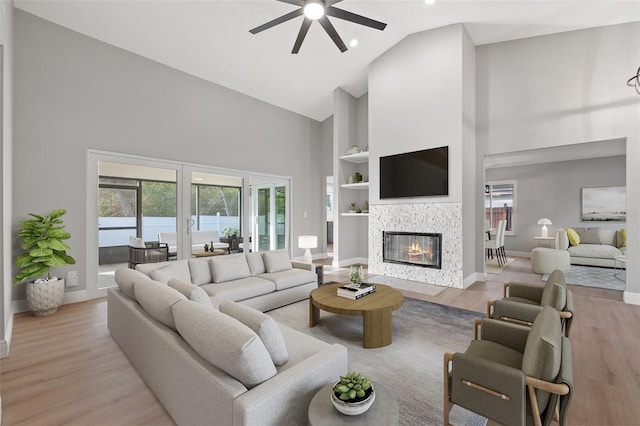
(44, 248)
(352, 207)
(353, 394)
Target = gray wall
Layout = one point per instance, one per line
(6, 144)
(552, 190)
(564, 89)
(74, 93)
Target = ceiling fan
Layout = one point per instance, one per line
(319, 10)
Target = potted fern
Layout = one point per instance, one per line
(44, 247)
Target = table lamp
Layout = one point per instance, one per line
(307, 242)
(544, 222)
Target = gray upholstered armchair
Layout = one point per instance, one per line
(523, 302)
(512, 374)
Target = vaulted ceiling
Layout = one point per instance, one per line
(210, 39)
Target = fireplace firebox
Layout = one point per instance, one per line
(412, 248)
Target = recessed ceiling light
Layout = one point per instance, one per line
(353, 42)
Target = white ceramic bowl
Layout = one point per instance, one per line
(353, 408)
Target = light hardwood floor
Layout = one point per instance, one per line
(66, 369)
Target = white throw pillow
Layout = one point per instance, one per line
(256, 264)
(179, 270)
(264, 326)
(192, 292)
(157, 299)
(200, 271)
(276, 261)
(136, 242)
(225, 342)
(229, 267)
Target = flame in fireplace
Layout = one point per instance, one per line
(416, 251)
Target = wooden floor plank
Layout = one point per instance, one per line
(66, 368)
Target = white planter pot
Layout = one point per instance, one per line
(353, 408)
(44, 298)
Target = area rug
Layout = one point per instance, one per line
(412, 366)
(594, 276)
(492, 266)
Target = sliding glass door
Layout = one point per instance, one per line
(269, 216)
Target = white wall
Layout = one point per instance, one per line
(564, 89)
(553, 190)
(74, 93)
(6, 170)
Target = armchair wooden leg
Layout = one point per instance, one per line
(447, 402)
(535, 411)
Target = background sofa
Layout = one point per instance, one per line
(198, 240)
(262, 280)
(594, 246)
(210, 367)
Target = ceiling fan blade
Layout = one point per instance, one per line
(354, 17)
(280, 20)
(293, 2)
(330, 29)
(301, 35)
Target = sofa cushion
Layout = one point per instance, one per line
(554, 293)
(574, 239)
(229, 267)
(256, 264)
(608, 237)
(263, 325)
(242, 289)
(588, 235)
(157, 299)
(136, 242)
(594, 250)
(290, 278)
(126, 278)
(200, 271)
(191, 292)
(225, 342)
(179, 270)
(276, 261)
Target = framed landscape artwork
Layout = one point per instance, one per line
(605, 204)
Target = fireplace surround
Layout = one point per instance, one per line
(412, 248)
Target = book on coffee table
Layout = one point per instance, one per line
(354, 292)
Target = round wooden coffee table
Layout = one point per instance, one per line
(376, 310)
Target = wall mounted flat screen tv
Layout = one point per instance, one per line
(415, 174)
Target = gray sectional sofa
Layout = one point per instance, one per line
(262, 280)
(595, 246)
(211, 360)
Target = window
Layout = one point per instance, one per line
(500, 204)
(215, 207)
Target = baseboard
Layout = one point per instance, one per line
(476, 276)
(315, 256)
(70, 297)
(631, 298)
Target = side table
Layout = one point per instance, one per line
(384, 410)
(319, 273)
(620, 263)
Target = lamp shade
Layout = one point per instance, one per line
(544, 222)
(307, 241)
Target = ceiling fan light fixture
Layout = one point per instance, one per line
(314, 9)
(635, 81)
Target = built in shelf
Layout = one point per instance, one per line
(359, 185)
(354, 214)
(360, 157)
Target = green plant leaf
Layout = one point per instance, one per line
(58, 233)
(33, 271)
(40, 252)
(54, 244)
(55, 214)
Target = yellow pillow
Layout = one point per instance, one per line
(623, 232)
(574, 239)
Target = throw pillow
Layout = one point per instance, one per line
(225, 342)
(136, 242)
(588, 235)
(574, 239)
(179, 270)
(229, 267)
(192, 292)
(126, 278)
(256, 264)
(276, 261)
(156, 299)
(623, 232)
(200, 271)
(264, 326)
